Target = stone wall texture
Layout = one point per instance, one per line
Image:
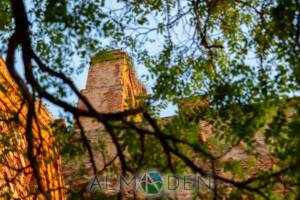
(16, 176)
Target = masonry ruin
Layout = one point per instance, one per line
(111, 87)
(16, 175)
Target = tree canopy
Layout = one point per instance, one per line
(240, 56)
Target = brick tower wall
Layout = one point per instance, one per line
(111, 87)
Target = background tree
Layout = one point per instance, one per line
(241, 55)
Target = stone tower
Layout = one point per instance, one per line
(111, 87)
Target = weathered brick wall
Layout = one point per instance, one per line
(111, 87)
(16, 175)
(111, 83)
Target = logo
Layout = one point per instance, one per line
(151, 183)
